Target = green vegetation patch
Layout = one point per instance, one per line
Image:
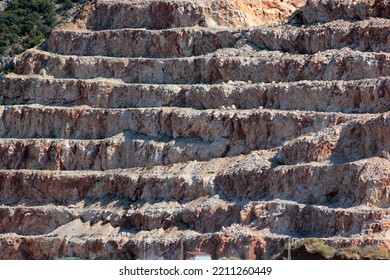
(26, 23)
(315, 245)
(364, 253)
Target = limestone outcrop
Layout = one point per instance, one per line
(146, 129)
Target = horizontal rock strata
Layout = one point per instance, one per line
(223, 127)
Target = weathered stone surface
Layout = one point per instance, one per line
(161, 244)
(253, 176)
(171, 14)
(347, 142)
(254, 129)
(124, 150)
(356, 96)
(141, 42)
(213, 214)
(368, 35)
(328, 10)
(34, 220)
(167, 244)
(179, 126)
(235, 65)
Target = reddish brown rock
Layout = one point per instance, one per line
(217, 126)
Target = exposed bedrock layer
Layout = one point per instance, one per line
(224, 127)
(356, 96)
(327, 10)
(224, 66)
(170, 14)
(365, 35)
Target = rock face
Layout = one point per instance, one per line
(171, 14)
(179, 126)
(328, 10)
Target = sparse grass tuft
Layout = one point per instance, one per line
(367, 252)
(67, 259)
(315, 245)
